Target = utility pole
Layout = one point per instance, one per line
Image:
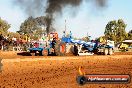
(65, 29)
(65, 26)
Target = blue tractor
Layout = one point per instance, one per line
(53, 46)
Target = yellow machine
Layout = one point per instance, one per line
(123, 46)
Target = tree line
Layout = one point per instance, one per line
(34, 27)
(115, 30)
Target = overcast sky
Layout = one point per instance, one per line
(87, 19)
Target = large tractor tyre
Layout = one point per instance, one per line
(110, 51)
(56, 50)
(60, 49)
(45, 52)
(106, 51)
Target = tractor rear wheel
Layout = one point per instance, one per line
(60, 49)
(56, 49)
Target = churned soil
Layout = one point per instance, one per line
(60, 72)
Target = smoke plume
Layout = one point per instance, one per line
(51, 7)
(101, 3)
(58, 5)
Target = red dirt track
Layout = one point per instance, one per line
(60, 72)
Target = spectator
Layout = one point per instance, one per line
(70, 34)
(53, 43)
(76, 50)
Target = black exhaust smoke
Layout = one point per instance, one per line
(51, 7)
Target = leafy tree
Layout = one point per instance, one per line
(13, 34)
(4, 26)
(28, 26)
(121, 33)
(86, 39)
(31, 27)
(35, 27)
(115, 30)
(101, 39)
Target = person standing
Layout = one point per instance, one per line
(70, 34)
(76, 50)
